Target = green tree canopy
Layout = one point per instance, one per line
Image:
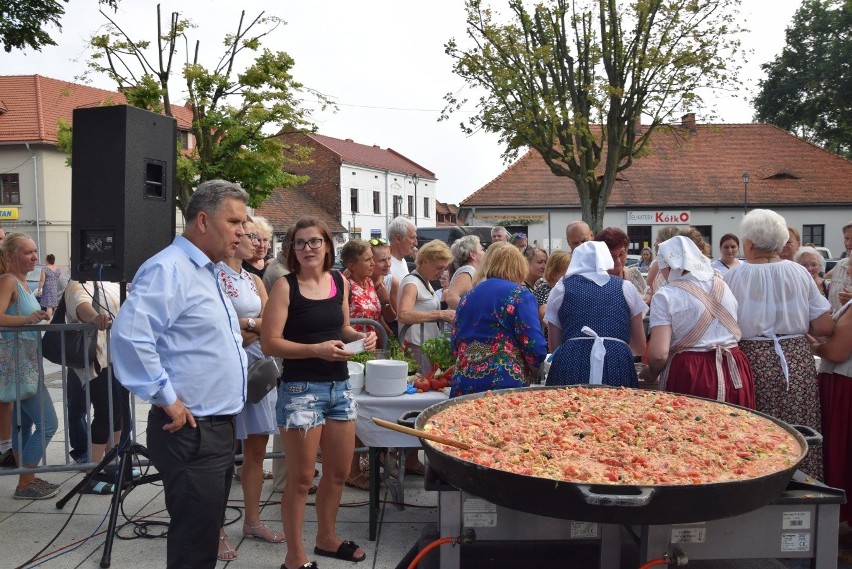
(571, 79)
(233, 111)
(22, 22)
(808, 86)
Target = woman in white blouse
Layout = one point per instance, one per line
(729, 246)
(778, 304)
(694, 330)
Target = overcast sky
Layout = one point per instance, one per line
(383, 61)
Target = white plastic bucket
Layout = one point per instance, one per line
(356, 376)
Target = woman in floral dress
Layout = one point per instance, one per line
(48, 286)
(357, 257)
(497, 338)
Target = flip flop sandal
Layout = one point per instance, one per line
(308, 565)
(346, 552)
(228, 553)
(261, 531)
(97, 488)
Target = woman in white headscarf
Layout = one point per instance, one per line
(694, 330)
(594, 322)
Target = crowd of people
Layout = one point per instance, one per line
(743, 332)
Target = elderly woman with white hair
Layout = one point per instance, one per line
(814, 263)
(594, 322)
(778, 303)
(467, 252)
(694, 330)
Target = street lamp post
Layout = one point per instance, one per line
(415, 177)
(745, 195)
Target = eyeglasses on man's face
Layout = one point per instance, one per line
(313, 243)
(378, 241)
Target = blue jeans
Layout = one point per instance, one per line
(307, 404)
(38, 412)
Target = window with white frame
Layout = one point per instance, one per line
(410, 205)
(377, 202)
(353, 200)
(425, 207)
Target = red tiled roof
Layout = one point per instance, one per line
(284, 207)
(372, 156)
(446, 208)
(31, 106)
(703, 169)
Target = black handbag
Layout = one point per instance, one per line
(75, 342)
(262, 377)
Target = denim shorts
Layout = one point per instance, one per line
(307, 404)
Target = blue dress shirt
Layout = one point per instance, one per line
(176, 336)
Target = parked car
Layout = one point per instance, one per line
(830, 263)
(825, 252)
(632, 260)
(449, 233)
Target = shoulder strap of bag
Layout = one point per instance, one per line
(425, 283)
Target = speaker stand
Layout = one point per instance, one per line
(125, 483)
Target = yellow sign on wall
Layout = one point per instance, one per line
(8, 213)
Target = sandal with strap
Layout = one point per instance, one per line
(262, 531)
(360, 481)
(345, 551)
(97, 487)
(226, 550)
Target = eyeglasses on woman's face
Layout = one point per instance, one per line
(252, 236)
(378, 241)
(313, 243)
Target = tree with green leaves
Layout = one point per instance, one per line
(232, 111)
(22, 22)
(571, 79)
(808, 86)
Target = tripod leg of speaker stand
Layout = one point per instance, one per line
(124, 467)
(125, 472)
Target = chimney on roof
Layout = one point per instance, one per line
(377, 146)
(688, 121)
(349, 140)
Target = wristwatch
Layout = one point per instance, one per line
(251, 324)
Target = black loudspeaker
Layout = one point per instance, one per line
(122, 190)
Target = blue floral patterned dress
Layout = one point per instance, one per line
(496, 339)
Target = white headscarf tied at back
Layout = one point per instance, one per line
(591, 260)
(681, 254)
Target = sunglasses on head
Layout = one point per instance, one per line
(378, 241)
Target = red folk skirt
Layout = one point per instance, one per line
(835, 394)
(694, 373)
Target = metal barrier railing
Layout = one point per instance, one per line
(67, 464)
(67, 374)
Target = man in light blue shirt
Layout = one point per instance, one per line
(177, 343)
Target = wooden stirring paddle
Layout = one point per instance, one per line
(420, 434)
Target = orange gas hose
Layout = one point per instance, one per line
(430, 547)
(655, 562)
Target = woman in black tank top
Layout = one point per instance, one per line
(306, 322)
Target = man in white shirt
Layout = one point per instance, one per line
(402, 236)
